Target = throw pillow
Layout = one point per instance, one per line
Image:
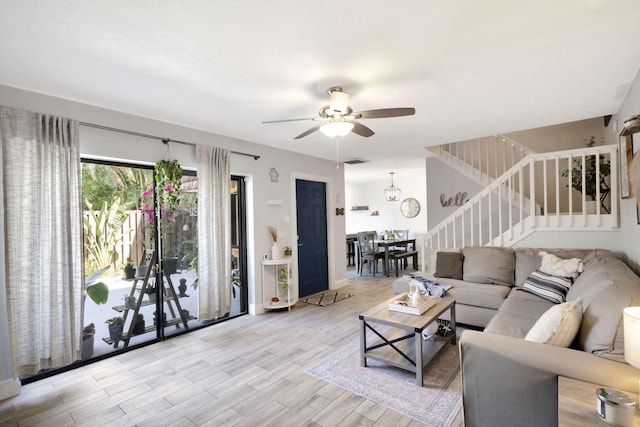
(488, 264)
(547, 286)
(559, 325)
(449, 265)
(552, 264)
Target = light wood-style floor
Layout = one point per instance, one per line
(248, 371)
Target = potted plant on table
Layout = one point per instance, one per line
(592, 182)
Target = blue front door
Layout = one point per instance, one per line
(311, 208)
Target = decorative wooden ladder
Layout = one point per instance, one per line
(168, 296)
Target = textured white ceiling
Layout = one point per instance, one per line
(470, 68)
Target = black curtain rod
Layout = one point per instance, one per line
(164, 140)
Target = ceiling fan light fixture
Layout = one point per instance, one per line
(392, 193)
(335, 129)
(339, 102)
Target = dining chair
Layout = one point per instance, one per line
(368, 252)
(403, 247)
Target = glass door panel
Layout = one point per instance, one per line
(122, 230)
(117, 232)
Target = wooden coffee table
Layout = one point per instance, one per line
(402, 345)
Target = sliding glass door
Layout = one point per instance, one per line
(148, 263)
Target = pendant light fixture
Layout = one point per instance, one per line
(392, 193)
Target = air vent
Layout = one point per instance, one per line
(356, 161)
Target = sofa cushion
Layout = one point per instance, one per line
(558, 325)
(607, 286)
(518, 314)
(449, 265)
(466, 293)
(478, 294)
(553, 264)
(489, 265)
(547, 286)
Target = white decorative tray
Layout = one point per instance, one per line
(402, 304)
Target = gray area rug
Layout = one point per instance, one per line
(326, 298)
(436, 404)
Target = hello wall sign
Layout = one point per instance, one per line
(458, 200)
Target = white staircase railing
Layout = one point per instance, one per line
(482, 159)
(505, 211)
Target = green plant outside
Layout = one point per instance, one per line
(115, 321)
(102, 231)
(98, 292)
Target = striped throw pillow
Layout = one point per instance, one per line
(547, 286)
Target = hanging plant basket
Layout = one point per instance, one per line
(168, 174)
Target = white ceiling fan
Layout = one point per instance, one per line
(338, 119)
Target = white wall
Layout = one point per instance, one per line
(628, 216)
(565, 136)
(104, 144)
(443, 179)
(572, 239)
(390, 218)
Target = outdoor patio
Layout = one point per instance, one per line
(119, 287)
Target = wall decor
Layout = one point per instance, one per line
(626, 156)
(339, 211)
(458, 200)
(274, 174)
(410, 207)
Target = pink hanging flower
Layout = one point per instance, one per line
(172, 216)
(147, 194)
(168, 187)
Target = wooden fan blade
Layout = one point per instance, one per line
(361, 129)
(310, 131)
(384, 112)
(290, 120)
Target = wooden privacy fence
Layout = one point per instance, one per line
(135, 237)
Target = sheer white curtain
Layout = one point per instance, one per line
(41, 182)
(214, 232)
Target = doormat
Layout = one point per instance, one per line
(326, 298)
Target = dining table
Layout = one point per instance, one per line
(386, 244)
(390, 243)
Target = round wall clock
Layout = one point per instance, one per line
(410, 207)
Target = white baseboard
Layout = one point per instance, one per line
(9, 388)
(340, 283)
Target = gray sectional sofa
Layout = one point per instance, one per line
(509, 380)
